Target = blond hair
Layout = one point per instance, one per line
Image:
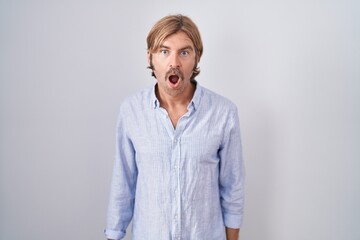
(172, 24)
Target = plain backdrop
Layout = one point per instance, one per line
(291, 67)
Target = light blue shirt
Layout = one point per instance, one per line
(185, 183)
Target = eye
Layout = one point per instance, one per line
(184, 53)
(164, 51)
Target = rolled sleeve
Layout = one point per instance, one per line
(232, 220)
(116, 235)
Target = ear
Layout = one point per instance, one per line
(148, 57)
(197, 59)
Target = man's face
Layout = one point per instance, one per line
(174, 63)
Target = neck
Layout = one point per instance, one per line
(182, 100)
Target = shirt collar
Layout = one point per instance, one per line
(195, 102)
(154, 101)
(197, 96)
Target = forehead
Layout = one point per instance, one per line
(178, 40)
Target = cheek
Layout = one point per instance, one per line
(159, 65)
(158, 70)
(190, 67)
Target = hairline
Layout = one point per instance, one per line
(155, 48)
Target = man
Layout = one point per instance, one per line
(178, 171)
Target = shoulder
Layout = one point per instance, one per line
(212, 99)
(137, 100)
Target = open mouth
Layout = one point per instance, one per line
(174, 79)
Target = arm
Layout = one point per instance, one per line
(231, 178)
(232, 234)
(122, 192)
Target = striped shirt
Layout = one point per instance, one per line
(176, 183)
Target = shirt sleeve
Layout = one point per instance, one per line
(122, 191)
(232, 174)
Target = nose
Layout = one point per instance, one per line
(174, 61)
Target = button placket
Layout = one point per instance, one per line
(176, 190)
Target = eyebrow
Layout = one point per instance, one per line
(189, 47)
(163, 46)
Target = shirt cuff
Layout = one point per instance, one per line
(116, 235)
(233, 220)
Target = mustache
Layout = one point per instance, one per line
(174, 71)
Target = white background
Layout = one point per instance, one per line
(292, 68)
